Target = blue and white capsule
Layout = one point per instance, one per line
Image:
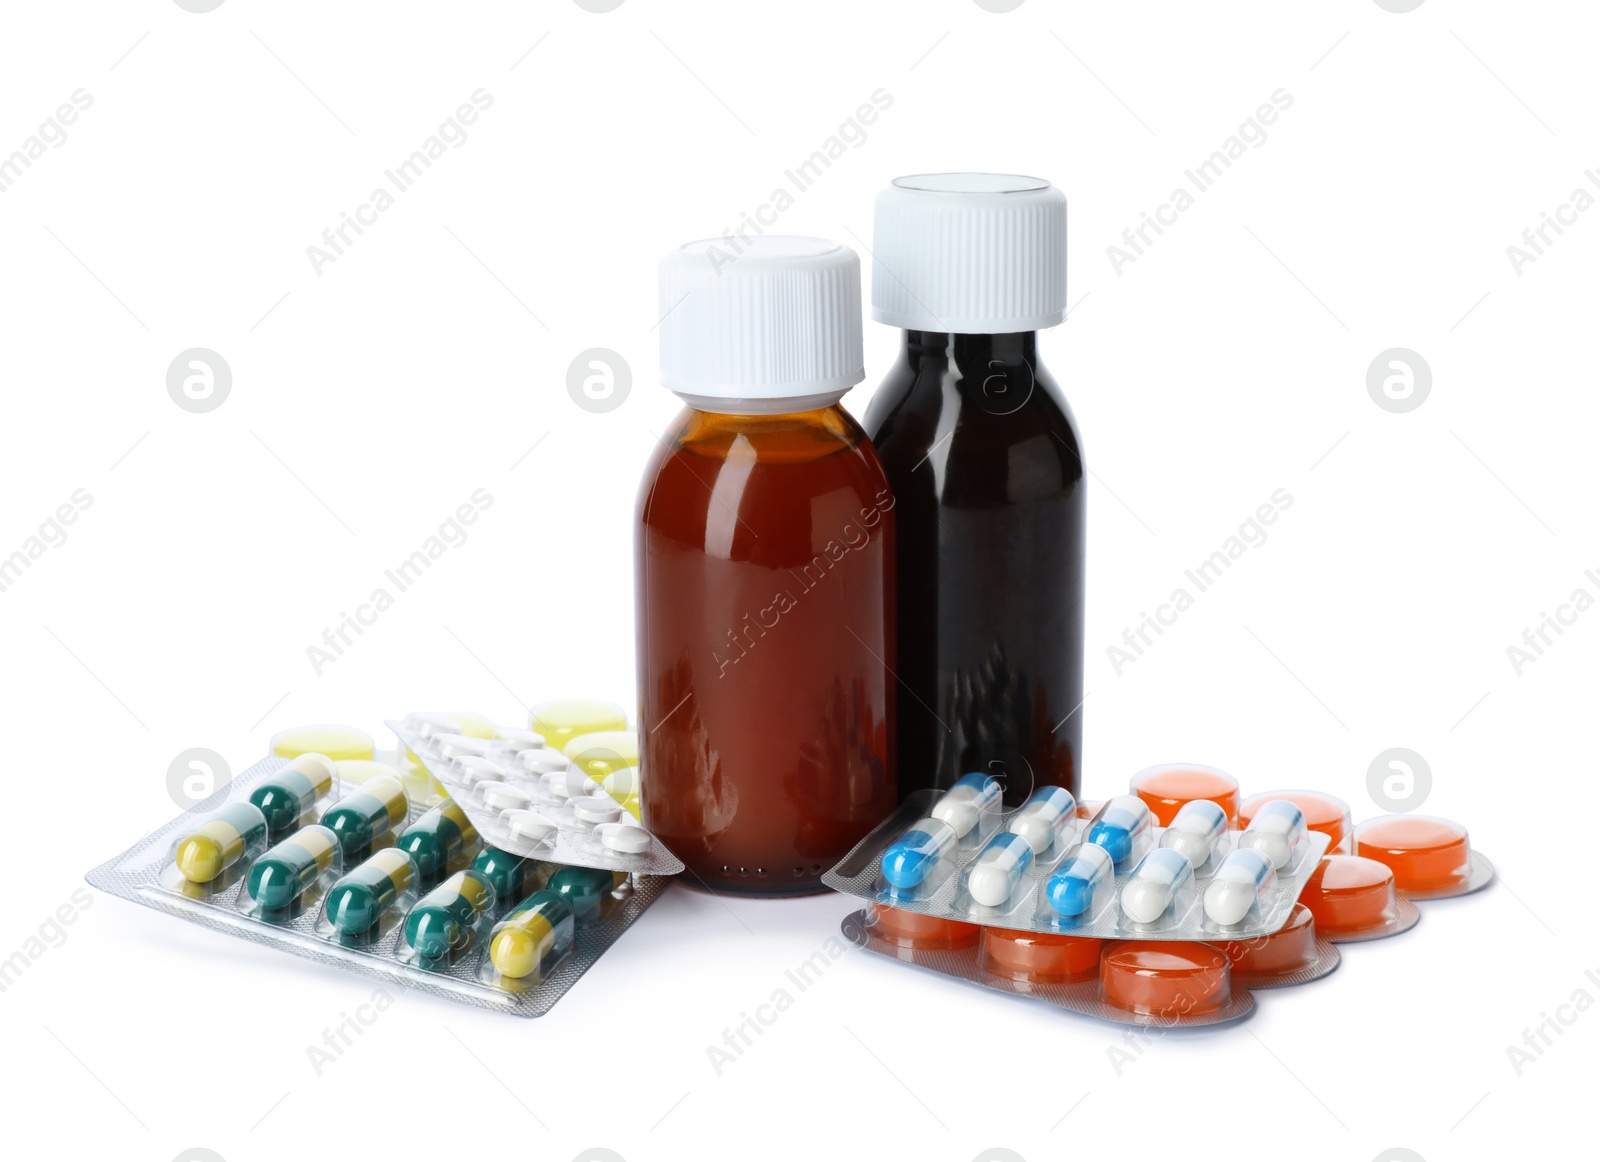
(1071, 890)
(909, 859)
(969, 798)
(1243, 878)
(1275, 831)
(998, 869)
(1120, 825)
(1155, 884)
(1195, 830)
(1045, 817)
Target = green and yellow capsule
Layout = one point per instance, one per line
(437, 837)
(359, 900)
(359, 818)
(278, 878)
(533, 938)
(220, 841)
(293, 790)
(511, 876)
(442, 921)
(585, 890)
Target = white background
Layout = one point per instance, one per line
(371, 399)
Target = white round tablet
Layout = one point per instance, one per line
(515, 738)
(455, 745)
(429, 724)
(475, 769)
(504, 796)
(624, 837)
(529, 826)
(540, 760)
(571, 783)
(595, 809)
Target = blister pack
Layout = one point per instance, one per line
(1118, 875)
(294, 855)
(534, 801)
(1170, 983)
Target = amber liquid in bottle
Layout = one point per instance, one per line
(765, 560)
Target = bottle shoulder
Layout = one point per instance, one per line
(985, 431)
(711, 462)
(769, 439)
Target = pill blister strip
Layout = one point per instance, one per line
(1082, 997)
(137, 875)
(574, 842)
(857, 874)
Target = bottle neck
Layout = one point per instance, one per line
(972, 351)
(790, 405)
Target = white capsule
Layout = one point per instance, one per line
(1244, 877)
(529, 826)
(541, 760)
(504, 796)
(1045, 817)
(1155, 883)
(595, 809)
(1275, 831)
(1196, 829)
(999, 869)
(966, 801)
(624, 837)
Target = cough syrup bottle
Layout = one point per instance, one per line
(765, 559)
(988, 476)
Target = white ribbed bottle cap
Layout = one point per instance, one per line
(970, 254)
(773, 326)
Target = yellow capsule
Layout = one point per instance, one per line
(565, 719)
(219, 842)
(337, 742)
(603, 752)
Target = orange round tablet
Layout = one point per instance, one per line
(1168, 978)
(1039, 957)
(1323, 812)
(1423, 852)
(1347, 893)
(1288, 950)
(1166, 789)
(914, 930)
